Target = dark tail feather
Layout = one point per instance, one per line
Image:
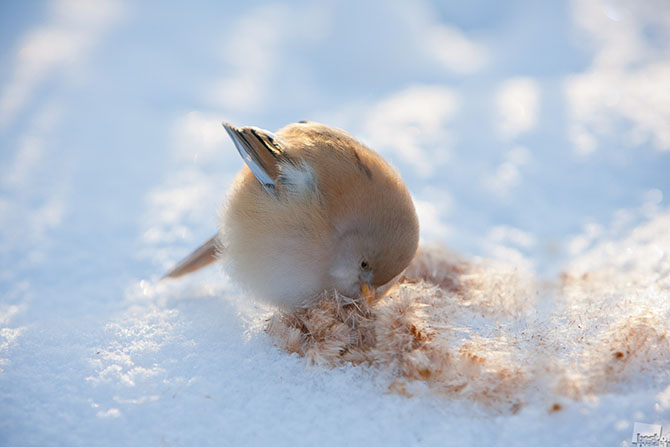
(201, 257)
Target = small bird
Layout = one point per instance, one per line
(313, 210)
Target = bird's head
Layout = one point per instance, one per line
(372, 249)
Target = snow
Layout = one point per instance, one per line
(532, 133)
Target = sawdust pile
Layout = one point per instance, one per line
(489, 334)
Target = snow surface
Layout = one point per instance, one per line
(536, 133)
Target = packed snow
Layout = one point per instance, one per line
(533, 135)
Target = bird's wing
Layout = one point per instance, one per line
(262, 153)
(202, 256)
(260, 150)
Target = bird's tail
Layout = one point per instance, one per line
(201, 257)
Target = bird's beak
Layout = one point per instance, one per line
(367, 292)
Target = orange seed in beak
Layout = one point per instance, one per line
(368, 292)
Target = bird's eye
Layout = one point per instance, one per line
(365, 265)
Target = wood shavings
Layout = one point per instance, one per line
(472, 331)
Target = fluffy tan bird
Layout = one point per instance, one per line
(312, 210)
